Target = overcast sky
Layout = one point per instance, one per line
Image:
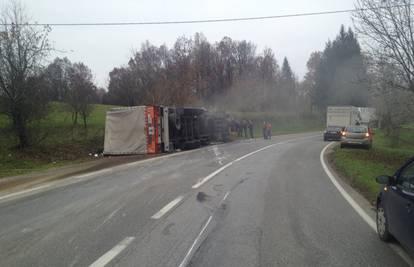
(103, 48)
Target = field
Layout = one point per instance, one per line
(361, 167)
(57, 142)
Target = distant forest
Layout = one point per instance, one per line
(230, 74)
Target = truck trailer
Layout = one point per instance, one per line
(157, 129)
(134, 130)
(342, 116)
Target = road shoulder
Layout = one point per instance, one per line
(368, 207)
(363, 207)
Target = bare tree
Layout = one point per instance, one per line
(81, 92)
(394, 105)
(23, 49)
(388, 29)
(57, 77)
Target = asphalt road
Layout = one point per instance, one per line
(248, 203)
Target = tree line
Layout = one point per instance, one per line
(196, 72)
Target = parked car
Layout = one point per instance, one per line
(395, 206)
(357, 136)
(333, 133)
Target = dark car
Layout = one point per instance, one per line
(333, 133)
(395, 206)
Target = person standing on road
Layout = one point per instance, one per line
(269, 130)
(238, 128)
(264, 129)
(245, 128)
(250, 125)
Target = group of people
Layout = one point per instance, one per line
(267, 130)
(243, 128)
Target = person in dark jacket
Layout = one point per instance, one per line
(239, 129)
(264, 129)
(244, 125)
(250, 125)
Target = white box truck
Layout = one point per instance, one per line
(342, 116)
(368, 116)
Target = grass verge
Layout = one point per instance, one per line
(59, 142)
(360, 167)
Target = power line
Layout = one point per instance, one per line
(208, 20)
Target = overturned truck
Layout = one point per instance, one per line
(158, 129)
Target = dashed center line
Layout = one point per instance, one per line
(111, 254)
(166, 208)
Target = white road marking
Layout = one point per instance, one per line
(111, 215)
(197, 240)
(11, 195)
(216, 151)
(190, 251)
(401, 252)
(111, 254)
(107, 218)
(208, 177)
(26, 230)
(347, 197)
(397, 249)
(226, 195)
(166, 208)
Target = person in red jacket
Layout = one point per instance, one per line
(269, 130)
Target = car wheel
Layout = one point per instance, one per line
(382, 224)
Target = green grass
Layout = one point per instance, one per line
(56, 141)
(361, 167)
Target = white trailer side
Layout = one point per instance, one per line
(125, 131)
(342, 116)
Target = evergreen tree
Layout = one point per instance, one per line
(340, 78)
(287, 79)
